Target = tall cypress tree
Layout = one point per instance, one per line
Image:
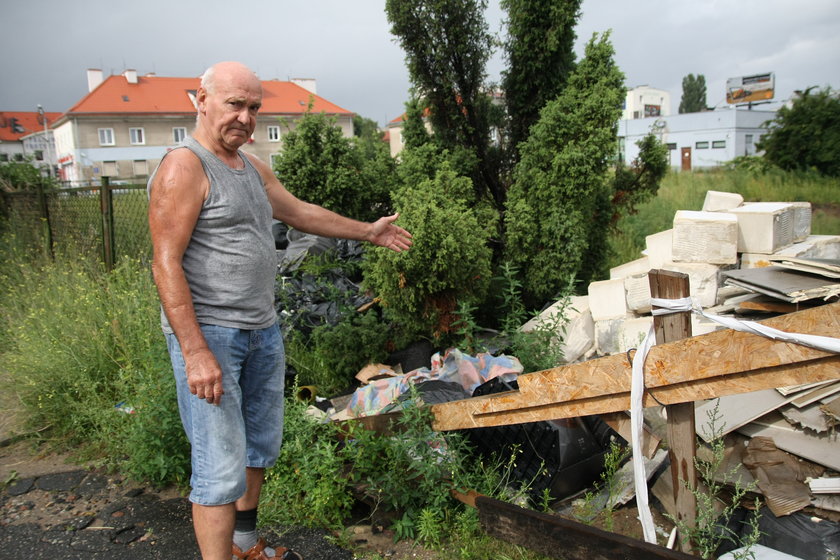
(694, 94)
(539, 48)
(447, 45)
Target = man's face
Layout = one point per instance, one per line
(230, 107)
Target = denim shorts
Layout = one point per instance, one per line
(246, 429)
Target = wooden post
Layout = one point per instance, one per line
(106, 205)
(682, 448)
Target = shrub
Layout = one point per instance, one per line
(449, 261)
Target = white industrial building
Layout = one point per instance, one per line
(697, 140)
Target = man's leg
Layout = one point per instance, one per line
(254, 478)
(214, 530)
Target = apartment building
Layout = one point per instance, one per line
(126, 123)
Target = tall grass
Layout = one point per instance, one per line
(686, 191)
(75, 342)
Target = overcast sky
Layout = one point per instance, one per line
(346, 45)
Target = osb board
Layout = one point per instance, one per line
(518, 408)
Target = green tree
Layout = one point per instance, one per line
(806, 135)
(559, 205)
(447, 45)
(351, 176)
(693, 94)
(540, 55)
(21, 176)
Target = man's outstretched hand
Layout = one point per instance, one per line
(385, 234)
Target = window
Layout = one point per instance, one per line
(748, 139)
(274, 158)
(672, 145)
(136, 136)
(39, 155)
(273, 133)
(701, 145)
(141, 168)
(4, 157)
(106, 136)
(178, 134)
(109, 169)
(18, 157)
(718, 143)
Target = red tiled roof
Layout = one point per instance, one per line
(26, 123)
(154, 94)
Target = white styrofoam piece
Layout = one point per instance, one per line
(632, 332)
(705, 237)
(637, 266)
(814, 247)
(608, 336)
(658, 248)
(764, 227)
(801, 220)
(825, 485)
(579, 328)
(607, 299)
(637, 289)
(702, 280)
(717, 201)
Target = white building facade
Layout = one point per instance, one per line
(697, 140)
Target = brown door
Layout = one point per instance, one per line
(686, 159)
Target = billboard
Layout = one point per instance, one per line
(749, 89)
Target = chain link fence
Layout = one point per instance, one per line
(107, 221)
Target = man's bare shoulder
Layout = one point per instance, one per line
(180, 168)
(255, 161)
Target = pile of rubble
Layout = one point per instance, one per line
(717, 248)
(747, 260)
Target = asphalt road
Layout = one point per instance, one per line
(87, 515)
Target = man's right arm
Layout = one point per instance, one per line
(175, 200)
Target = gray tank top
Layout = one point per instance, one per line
(231, 261)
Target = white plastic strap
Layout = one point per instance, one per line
(637, 393)
(637, 385)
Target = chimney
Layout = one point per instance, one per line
(308, 84)
(94, 77)
(130, 75)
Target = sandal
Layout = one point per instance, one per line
(257, 552)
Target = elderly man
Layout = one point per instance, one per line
(210, 211)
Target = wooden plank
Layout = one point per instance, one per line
(681, 434)
(701, 357)
(474, 413)
(556, 537)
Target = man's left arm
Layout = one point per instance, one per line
(311, 218)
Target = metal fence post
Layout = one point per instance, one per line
(45, 218)
(106, 204)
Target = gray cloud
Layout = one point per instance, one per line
(348, 48)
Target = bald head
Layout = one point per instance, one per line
(228, 71)
(228, 101)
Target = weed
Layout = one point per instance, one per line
(712, 527)
(602, 498)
